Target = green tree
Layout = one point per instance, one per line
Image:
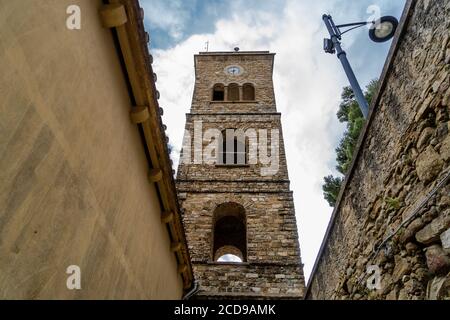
(331, 189)
(349, 113)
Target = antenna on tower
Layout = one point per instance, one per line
(207, 46)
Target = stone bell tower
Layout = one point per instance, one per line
(233, 183)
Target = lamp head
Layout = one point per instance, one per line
(328, 46)
(383, 29)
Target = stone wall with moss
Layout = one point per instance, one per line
(394, 210)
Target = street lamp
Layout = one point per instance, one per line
(381, 30)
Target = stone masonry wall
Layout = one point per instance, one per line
(257, 70)
(238, 121)
(250, 280)
(405, 155)
(272, 267)
(271, 227)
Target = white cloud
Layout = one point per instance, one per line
(229, 258)
(171, 16)
(307, 85)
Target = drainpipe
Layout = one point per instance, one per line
(188, 295)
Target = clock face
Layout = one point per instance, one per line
(234, 70)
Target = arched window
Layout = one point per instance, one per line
(230, 233)
(233, 92)
(218, 92)
(248, 91)
(232, 147)
(228, 254)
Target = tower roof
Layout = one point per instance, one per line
(222, 53)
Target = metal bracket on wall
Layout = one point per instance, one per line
(155, 175)
(176, 246)
(139, 114)
(113, 15)
(182, 268)
(167, 217)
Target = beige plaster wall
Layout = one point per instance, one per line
(73, 186)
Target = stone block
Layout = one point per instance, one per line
(403, 295)
(438, 288)
(444, 202)
(445, 149)
(424, 138)
(401, 268)
(437, 260)
(392, 295)
(274, 290)
(432, 231)
(411, 230)
(428, 165)
(445, 240)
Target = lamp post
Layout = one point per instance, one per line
(382, 30)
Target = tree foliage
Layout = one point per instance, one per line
(350, 114)
(331, 188)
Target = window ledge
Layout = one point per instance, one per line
(232, 102)
(216, 263)
(233, 165)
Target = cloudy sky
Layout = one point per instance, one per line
(307, 81)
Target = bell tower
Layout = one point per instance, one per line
(233, 182)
